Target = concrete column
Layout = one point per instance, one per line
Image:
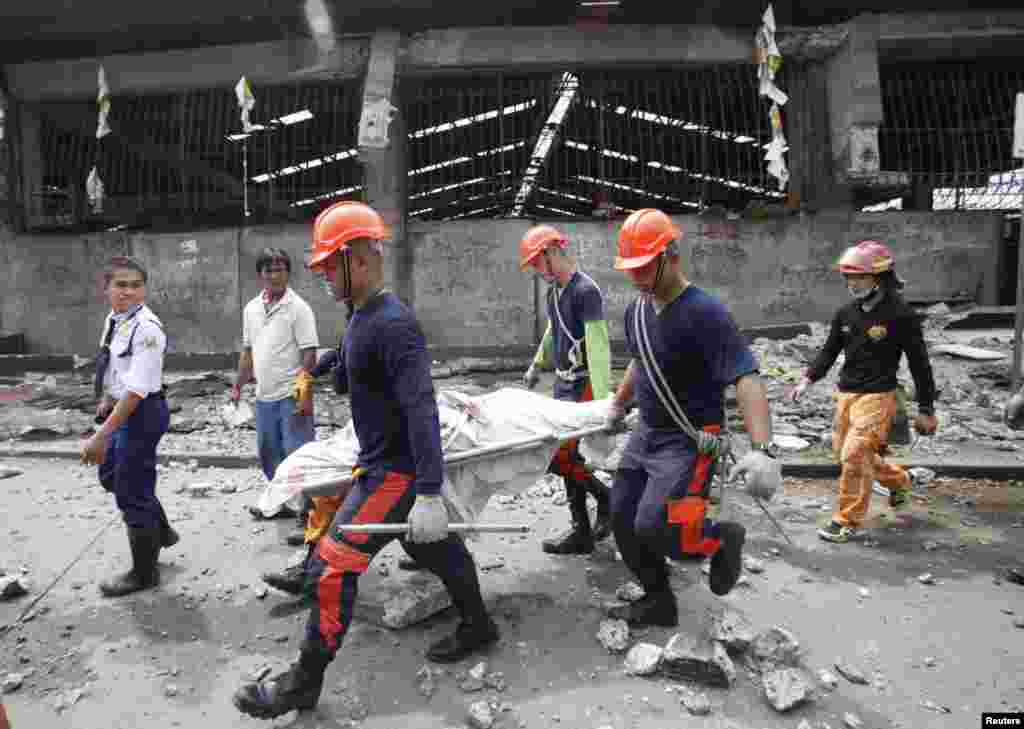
(855, 102)
(382, 151)
(29, 143)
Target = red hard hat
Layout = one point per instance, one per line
(342, 223)
(536, 241)
(868, 256)
(644, 235)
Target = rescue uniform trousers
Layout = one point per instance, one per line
(662, 478)
(568, 463)
(341, 557)
(860, 432)
(129, 469)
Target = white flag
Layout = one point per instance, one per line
(94, 191)
(246, 102)
(103, 105)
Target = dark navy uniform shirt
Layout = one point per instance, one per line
(394, 411)
(700, 351)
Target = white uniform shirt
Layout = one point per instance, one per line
(277, 337)
(142, 370)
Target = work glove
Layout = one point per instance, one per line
(800, 389)
(926, 424)
(428, 520)
(302, 391)
(762, 472)
(531, 378)
(615, 418)
(1013, 414)
(236, 393)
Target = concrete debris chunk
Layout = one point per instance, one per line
(199, 490)
(752, 565)
(614, 635)
(921, 476)
(697, 703)
(774, 648)
(852, 721)
(426, 684)
(643, 659)
(828, 679)
(630, 592)
(12, 682)
(13, 587)
(926, 579)
(481, 716)
(851, 672)
(786, 689)
(702, 660)
(733, 630)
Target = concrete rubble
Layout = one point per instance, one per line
(851, 672)
(13, 586)
(786, 688)
(733, 630)
(691, 658)
(643, 659)
(614, 635)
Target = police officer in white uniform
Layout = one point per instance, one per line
(134, 416)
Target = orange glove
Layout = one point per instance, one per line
(303, 393)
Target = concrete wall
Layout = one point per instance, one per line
(469, 291)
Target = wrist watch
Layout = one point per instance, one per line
(769, 449)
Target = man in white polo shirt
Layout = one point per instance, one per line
(279, 351)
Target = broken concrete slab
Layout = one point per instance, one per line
(733, 630)
(402, 599)
(702, 660)
(775, 647)
(786, 688)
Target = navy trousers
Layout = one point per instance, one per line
(129, 471)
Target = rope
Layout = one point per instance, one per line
(59, 577)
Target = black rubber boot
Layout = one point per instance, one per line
(145, 546)
(657, 607)
(298, 688)
(410, 565)
(168, 536)
(579, 539)
(468, 638)
(602, 494)
(291, 579)
(727, 562)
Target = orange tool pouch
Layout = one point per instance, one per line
(687, 516)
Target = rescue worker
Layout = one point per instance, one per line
(134, 416)
(385, 368)
(279, 341)
(575, 345)
(874, 331)
(686, 349)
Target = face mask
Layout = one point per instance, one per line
(861, 294)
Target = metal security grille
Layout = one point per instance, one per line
(178, 159)
(949, 127)
(678, 140)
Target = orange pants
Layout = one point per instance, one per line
(860, 431)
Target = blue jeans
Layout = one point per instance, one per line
(279, 432)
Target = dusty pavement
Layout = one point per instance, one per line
(172, 657)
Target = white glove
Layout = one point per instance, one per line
(428, 520)
(799, 390)
(763, 474)
(531, 378)
(615, 418)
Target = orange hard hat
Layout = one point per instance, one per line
(341, 223)
(645, 234)
(536, 241)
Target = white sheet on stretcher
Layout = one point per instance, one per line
(467, 423)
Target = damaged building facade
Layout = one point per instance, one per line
(465, 127)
